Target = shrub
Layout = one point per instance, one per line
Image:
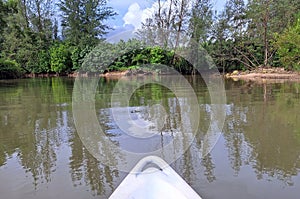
(288, 44)
(10, 69)
(60, 58)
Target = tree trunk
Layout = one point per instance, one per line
(24, 12)
(265, 37)
(38, 8)
(181, 17)
(168, 24)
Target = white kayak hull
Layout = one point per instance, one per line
(158, 180)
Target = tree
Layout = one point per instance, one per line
(235, 12)
(148, 32)
(242, 35)
(229, 45)
(180, 20)
(156, 29)
(40, 13)
(284, 9)
(238, 46)
(83, 20)
(28, 33)
(266, 18)
(288, 44)
(201, 20)
(3, 13)
(218, 41)
(167, 25)
(17, 34)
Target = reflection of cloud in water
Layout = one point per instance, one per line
(143, 129)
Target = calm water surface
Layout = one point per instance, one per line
(42, 156)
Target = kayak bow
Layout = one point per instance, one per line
(153, 178)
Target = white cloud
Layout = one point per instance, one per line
(136, 15)
(126, 3)
(133, 16)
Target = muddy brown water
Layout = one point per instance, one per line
(42, 156)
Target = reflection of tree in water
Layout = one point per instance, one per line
(204, 123)
(189, 165)
(40, 155)
(33, 127)
(264, 134)
(86, 169)
(209, 168)
(76, 159)
(235, 140)
(277, 151)
(37, 125)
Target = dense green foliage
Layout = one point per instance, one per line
(288, 44)
(134, 54)
(31, 39)
(244, 36)
(142, 56)
(9, 69)
(60, 58)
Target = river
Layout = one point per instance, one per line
(257, 155)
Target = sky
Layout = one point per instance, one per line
(132, 12)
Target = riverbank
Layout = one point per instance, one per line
(112, 74)
(258, 75)
(119, 74)
(265, 74)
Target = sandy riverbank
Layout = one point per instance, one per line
(268, 74)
